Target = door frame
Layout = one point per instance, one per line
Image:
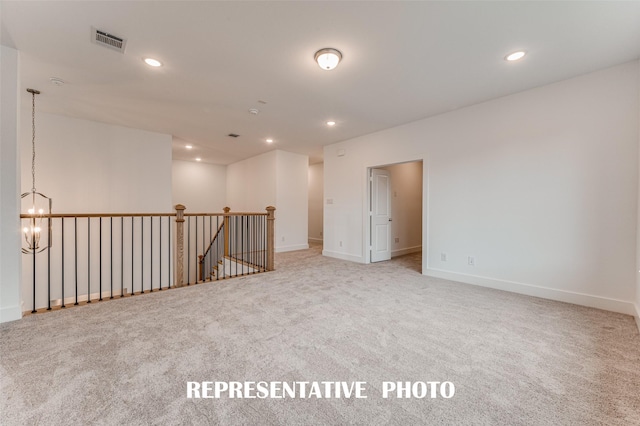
(366, 232)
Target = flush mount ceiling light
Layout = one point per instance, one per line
(188, 146)
(56, 81)
(328, 58)
(515, 56)
(198, 159)
(331, 123)
(152, 62)
(269, 140)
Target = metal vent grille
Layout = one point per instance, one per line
(233, 135)
(108, 40)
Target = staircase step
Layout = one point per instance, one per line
(229, 267)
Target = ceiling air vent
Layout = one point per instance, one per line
(108, 40)
(233, 135)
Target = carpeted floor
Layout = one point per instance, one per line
(514, 360)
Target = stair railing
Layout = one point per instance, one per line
(240, 245)
(101, 256)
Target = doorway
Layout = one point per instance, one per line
(395, 210)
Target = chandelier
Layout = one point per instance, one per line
(36, 230)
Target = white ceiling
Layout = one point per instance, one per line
(402, 61)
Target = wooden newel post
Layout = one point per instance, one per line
(226, 230)
(270, 237)
(179, 245)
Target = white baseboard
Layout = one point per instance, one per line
(10, 313)
(292, 248)
(315, 240)
(408, 250)
(637, 316)
(582, 299)
(343, 256)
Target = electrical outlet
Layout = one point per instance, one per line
(329, 200)
(443, 257)
(397, 240)
(340, 243)
(282, 238)
(471, 260)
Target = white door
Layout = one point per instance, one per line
(380, 214)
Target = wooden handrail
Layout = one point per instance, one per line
(227, 214)
(67, 215)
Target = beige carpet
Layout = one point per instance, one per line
(514, 360)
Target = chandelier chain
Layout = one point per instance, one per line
(33, 142)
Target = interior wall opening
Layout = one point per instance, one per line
(395, 205)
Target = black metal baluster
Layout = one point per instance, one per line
(169, 250)
(214, 259)
(142, 254)
(88, 260)
(196, 248)
(62, 260)
(133, 292)
(122, 256)
(151, 260)
(188, 249)
(160, 254)
(75, 234)
(252, 242)
(111, 255)
(100, 253)
(33, 310)
(49, 235)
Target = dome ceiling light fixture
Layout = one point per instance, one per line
(328, 58)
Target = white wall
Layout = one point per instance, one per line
(201, 187)
(10, 255)
(540, 186)
(292, 204)
(251, 183)
(316, 180)
(276, 178)
(406, 207)
(90, 167)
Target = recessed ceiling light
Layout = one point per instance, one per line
(269, 140)
(328, 58)
(331, 123)
(152, 62)
(515, 55)
(198, 159)
(188, 146)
